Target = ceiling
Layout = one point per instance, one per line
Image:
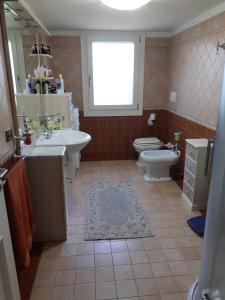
(158, 15)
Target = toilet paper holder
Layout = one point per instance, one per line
(151, 119)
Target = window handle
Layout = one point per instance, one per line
(89, 81)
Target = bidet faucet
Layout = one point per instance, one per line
(176, 148)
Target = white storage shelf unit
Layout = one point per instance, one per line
(196, 182)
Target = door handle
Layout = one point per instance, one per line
(208, 152)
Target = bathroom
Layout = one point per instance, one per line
(111, 167)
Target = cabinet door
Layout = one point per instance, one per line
(9, 289)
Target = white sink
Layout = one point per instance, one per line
(74, 140)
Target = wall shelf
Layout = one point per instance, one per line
(45, 78)
(41, 55)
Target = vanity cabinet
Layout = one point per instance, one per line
(196, 180)
(47, 179)
(52, 104)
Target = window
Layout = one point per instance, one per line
(113, 71)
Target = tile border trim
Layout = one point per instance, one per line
(192, 119)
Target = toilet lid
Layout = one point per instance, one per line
(148, 141)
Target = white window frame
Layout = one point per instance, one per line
(87, 37)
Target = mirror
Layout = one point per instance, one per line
(38, 109)
(29, 56)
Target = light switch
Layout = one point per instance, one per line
(173, 96)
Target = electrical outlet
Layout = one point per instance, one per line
(8, 135)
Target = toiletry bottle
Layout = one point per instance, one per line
(27, 137)
(37, 86)
(58, 86)
(29, 83)
(61, 83)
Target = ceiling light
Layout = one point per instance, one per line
(125, 4)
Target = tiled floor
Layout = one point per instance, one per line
(155, 268)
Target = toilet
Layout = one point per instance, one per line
(158, 163)
(144, 144)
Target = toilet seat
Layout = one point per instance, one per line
(147, 141)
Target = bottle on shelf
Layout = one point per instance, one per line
(60, 90)
(34, 49)
(28, 84)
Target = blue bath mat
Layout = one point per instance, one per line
(197, 224)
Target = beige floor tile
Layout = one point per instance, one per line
(135, 245)
(68, 250)
(153, 297)
(190, 253)
(179, 267)
(147, 287)
(48, 264)
(85, 291)
(102, 247)
(177, 232)
(177, 296)
(85, 248)
(138, 257)
(162, 233)
(67, 263)
(126, 288)
(132, 298)
(85, 275)
(121, 258)
(104, 274)
(194, 266)
(44, 279)
(123, 272)
(183, 242)
(85, 261)
(103, 259)
(168, 243)
(156, 256)
(65, 277)
(44, 293)
(151, 243)
(119, 246)
(63, 292)
(142, 271)
(161, 269)
(173, 254)
(184, 282)
(167, 285)
(105, 290)
(52, 250)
